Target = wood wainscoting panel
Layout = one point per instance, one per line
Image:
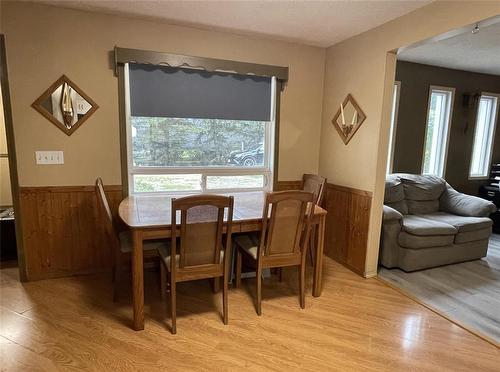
(347, 226)
(63, 232)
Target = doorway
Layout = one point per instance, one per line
(444, 153)
(11, 253)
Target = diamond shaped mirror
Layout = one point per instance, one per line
(348, 118)
(65, 105)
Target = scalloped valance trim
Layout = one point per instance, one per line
(124, 55)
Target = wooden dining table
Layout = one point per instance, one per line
(149, 217)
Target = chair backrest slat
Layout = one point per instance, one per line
(104, 205)
(316, 185)
(285, 222)
(200, 232)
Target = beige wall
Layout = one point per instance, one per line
(44, 42)
(361, 66)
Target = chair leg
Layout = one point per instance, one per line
(312, 244)
(224, 299)
(302, 285)
(173, 306)
(280, 273)
(259, 290)
(238, 269)
(163, 280)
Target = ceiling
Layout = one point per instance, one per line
(318, 23)
(479, 52)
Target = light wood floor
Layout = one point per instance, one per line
(468, 292)
(357, 324)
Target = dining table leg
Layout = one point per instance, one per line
(318, 264)
(138, 280)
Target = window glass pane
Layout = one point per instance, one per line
(178, 142)
(167, 182)
(483, 136)
(235, 182)
(438, 121)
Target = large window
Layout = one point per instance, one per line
(194, 131)
(483, 135)
(437, 130)
(394, 121)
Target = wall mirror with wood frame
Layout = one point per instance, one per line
(65, 105)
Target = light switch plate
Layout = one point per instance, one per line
(49, 157)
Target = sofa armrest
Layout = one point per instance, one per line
(390, 214)
(455, 202)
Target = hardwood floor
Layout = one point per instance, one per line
(468, 292)
(357, 324)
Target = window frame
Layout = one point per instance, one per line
(448, 122)
(493, 131)
(268, 170)
(393, 126)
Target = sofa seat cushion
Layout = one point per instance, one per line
(411, 241)
(461, 223)
(420, 226)
(472, 236)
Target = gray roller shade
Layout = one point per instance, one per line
(159, 91)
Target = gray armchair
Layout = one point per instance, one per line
(426, 223)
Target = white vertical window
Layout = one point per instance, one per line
(483, 135)
(394, 121)
(438, 130)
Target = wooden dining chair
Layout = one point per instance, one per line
(316, 185)
(282, 241)
(198, 245)
(121, 241)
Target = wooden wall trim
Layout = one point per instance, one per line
(351, 190)
(53, 189)
(288, 185)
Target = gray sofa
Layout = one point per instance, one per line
(426, 223)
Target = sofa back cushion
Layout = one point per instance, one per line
(422, 206)
(422, 192)
(394, 196)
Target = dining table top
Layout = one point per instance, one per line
(154, 210)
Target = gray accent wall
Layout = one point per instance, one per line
(412, 115)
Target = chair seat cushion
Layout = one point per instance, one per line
(164, 253)
(420, 226)
(126, 244)
(249, 243)
(411, 241)
(461, 223)
(472, 236)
